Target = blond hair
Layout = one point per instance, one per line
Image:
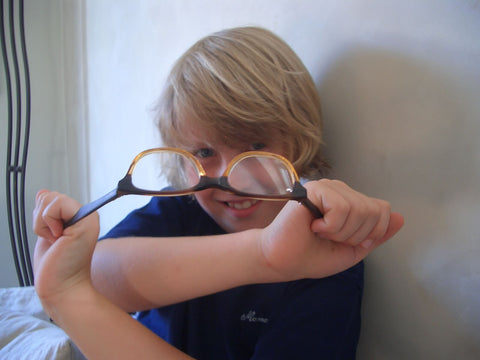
(240, 84)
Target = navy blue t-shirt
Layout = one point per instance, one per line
(304, 319)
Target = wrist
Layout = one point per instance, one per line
(60, 303)
(267, 271)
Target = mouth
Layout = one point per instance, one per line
(241, 205)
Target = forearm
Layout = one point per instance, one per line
(142, 273)
(103, 331)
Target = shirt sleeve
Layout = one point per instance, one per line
(319, 320)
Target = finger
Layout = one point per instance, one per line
(362, 221)
(40, 194)
(59, 210)
(39, 226)
(365, 248)
(52, 216)
(342, 256)
(51, 210)
(333, 205)
(350, 216)
(374, 224)
(47, 206)
(395, 224)
(381, 226)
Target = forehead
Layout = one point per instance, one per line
(194, 133)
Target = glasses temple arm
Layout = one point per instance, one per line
(89, 208)
(310, 206)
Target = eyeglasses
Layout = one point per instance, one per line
(253, 174)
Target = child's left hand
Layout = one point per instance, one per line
(62, 256)
(296, 246)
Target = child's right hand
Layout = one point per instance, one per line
(62, 256)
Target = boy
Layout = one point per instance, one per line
(186, 263)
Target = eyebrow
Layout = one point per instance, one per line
(192, 148)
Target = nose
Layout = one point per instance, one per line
(217, 167)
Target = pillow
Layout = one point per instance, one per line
(26, 331)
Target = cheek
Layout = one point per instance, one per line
(191, 175)
(191, 179)
(204, 198)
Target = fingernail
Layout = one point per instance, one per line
(39, 193)
(367, 243)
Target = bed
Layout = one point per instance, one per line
(26, 332)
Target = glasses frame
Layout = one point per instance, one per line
(125, 185)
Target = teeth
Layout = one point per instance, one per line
(242, 205)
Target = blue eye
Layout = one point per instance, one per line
(204, 153)
(258, 146)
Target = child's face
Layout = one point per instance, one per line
(233, 213)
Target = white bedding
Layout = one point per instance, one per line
(26, 331)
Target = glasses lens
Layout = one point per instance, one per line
(156, 170)
(261, 175)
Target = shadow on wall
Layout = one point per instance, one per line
(408, 131)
